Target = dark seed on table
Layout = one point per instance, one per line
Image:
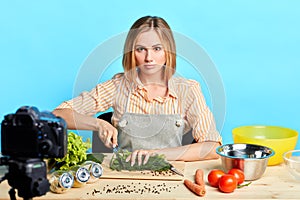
(108, 191)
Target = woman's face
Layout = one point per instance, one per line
(149, 53)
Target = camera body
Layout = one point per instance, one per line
(33, 134)
(27, 137)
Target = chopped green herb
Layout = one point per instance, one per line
(155, 163)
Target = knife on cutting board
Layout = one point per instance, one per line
(176, 171)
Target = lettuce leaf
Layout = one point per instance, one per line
(77, 153)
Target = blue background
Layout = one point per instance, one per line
(253, 44)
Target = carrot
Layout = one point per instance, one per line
(199, 177)
(197, 189)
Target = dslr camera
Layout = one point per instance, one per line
(27, 137)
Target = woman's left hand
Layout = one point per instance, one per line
(139, 155)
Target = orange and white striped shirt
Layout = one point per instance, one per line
(184, 97)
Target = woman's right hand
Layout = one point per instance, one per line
(107, 133)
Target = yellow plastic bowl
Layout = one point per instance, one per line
(278, 138)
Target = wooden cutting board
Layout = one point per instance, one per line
(147, 174)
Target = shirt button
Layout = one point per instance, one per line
(178, 123)
(123, 123)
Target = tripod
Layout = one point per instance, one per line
(27, 175)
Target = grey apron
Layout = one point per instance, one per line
(149, 131)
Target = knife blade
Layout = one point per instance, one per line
(173, 169)
(116, 149)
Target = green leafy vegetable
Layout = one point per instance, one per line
(77, 153)
(155, 163)
(96, 157)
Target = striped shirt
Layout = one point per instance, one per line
(184, 97)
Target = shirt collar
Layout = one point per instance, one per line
(171, 87)
(138, 86)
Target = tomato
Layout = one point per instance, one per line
(214, 176)
(239, 175)
(227, 183)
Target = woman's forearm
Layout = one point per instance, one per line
(192, 152)
(107, 133)
(77, 121)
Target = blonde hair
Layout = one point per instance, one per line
(166, 36)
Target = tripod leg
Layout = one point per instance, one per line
(12, 194)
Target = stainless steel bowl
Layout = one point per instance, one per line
(251, 159)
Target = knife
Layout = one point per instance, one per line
(173, 169)
(116, 149)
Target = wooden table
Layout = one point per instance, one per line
(276, 183)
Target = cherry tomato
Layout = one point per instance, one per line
(227, 183)
(239, 175)
(214, 176)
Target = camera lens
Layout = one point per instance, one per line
(45, 146)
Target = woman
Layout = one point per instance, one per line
(152, 108)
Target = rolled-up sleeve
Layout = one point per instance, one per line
(97, 100)
(200, 117)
